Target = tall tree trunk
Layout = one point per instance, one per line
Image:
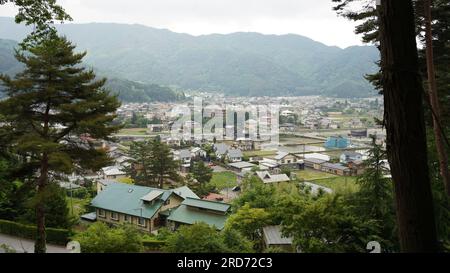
(404, 119)
(40, 244)
(436, 109)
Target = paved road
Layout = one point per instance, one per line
(24, 245)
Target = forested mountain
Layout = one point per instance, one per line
(128, 91)
(237, 64)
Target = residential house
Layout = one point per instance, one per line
(112, 172)
(234, 155)
(358, 167)
(267, 177)
(337, 169)
(349, 156)
(194, 210)
(314, 163)
(198, 152)
(220, 150)
(323, 157)
(241, 166)
(289, 160)
(144, 207)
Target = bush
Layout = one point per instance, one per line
(54, 235)
(80, 193)
(153, 244)
(99, 238)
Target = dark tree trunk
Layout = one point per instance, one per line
(40, 244)
(404, 119)
(434, 100)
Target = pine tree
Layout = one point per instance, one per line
(162, 164)
(139, 163)
(201, 172)
(54, 107)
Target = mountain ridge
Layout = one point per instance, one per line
(241, 63)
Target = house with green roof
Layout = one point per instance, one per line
(194, 210)
(150, 208)
(141, 206)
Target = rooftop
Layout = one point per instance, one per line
(205, 204)
(242, 165)
(273, 236)
(184, 214)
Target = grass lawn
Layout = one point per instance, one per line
(224, 180)
(133, 131)
(339, 184)
(309, 174)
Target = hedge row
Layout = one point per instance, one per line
(54, 235)
(153, 244)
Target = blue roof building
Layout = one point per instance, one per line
(336, 142)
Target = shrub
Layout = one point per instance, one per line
(54, 235)
(153, 244)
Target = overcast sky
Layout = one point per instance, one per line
(312, 18)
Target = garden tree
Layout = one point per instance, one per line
(256, 194)
(235, 242)
(201, 172)
(41, 14)
(324, 225)
(374, 199)
(405, 126)
(99, 238)
(54, 108)
(249, 222)
(139, 163)
(162, 164)
(56, 209)
(201, 238)
(198, 238)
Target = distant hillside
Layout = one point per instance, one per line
(8, 63)
(236, 64)
(128, 91)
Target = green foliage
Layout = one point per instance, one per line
(99, 238)
(68, 95)
(325, 224)
(201, 238)
(55, 236)
(152, 163)
(153, 244)
(130, 91)
(256, 194)
(249, 222)
(201, 172)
